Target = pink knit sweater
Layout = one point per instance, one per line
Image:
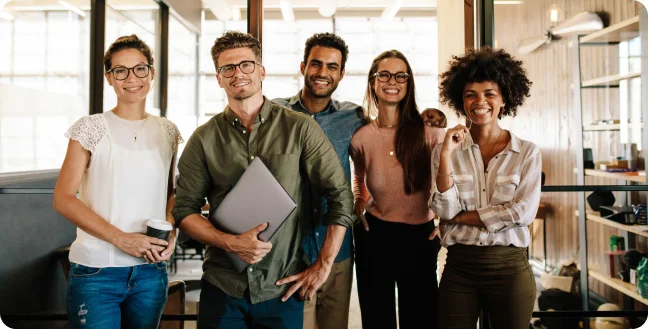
(378, 176)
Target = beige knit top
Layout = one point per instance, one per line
(378, 176)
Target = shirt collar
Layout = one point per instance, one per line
(333, 105)
(513, 145)
(261, 117)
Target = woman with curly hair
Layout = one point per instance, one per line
(391, 157)
(486, 190)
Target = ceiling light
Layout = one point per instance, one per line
(72, 8)
(6, 15)
(391, 9)
(327, 9)
(236, 14)
(220, 8)
(287, 11)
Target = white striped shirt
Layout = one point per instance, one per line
(506, 195)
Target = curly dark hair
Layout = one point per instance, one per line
(485, 64)
(127, 42)
(329, 40)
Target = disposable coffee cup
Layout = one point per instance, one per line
(158, 228)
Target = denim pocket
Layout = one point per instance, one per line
(82, 271)
(161, 266)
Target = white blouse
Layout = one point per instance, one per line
(126, 181)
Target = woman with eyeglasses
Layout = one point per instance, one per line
(486, 190)
(391, 157)
(122, 164)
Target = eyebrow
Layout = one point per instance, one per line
(140, 63)
(487, 90)
(317, 61)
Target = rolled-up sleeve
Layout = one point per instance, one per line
(325, 173)
(522, 210)
(193, 183)
(446, 204)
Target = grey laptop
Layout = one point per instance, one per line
(256, 198)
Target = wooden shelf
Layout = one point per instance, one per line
(624, 287)
(636, 229)
(623, 31)
(602, 127)
(609, 80)
(615, 175)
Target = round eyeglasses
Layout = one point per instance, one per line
(122, 72)
(385, 76)
(229, 70)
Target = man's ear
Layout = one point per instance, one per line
(302, 67)
(152, 73)
(342, 74)
(262, 72)
(219, 79)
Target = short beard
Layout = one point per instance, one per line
(240, 97)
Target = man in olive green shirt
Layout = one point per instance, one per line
(300, 156)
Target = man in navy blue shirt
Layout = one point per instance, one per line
(325, 55)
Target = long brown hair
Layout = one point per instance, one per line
(411, 149)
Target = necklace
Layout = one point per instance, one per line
(135, 132)
(382, 125)
(492, 148)
(383, 137)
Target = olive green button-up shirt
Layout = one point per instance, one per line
(300, 156)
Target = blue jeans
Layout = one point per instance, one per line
(116, 297)
(218, 310)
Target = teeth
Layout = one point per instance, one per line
(241, 84)
(480, 111)
(391, 91)
(319, 82)
(133, 88)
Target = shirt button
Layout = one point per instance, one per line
(262, 120)
(481, 244)
(245, 131)
(312, 116)
(315, 210)
(252, 157)
(250, 269)
(316, 233)
(484, 190)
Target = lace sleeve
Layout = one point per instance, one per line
(88, 131)
(173, 133)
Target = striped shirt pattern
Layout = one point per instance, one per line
(506, 195)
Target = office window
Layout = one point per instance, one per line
(366, 37)
(43, 83)
(182, 102)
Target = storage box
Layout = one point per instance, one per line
(611, 263)
(563, 283)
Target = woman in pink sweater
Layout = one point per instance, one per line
(391, 157)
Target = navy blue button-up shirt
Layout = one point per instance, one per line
(340, 120)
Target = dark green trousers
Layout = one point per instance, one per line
(497, 279)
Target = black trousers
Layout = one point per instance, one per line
(394, 255)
